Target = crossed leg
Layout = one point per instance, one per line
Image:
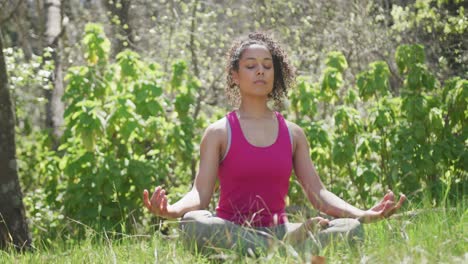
(205, 231)
(314, 235)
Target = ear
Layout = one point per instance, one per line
(235, 77)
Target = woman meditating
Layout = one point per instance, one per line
(252, 152)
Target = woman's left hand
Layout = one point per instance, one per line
(383, 209)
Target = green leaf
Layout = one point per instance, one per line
(369, 177)
(156, 90)
(414, 78)
(407, 56)
(178, 70)
(336, 60)
(109, 211)
(97, 46)
(419, 131)
(332, 80)
(436, 120)
(87, 137)
(343, 151)
(351, 97)
(129, 64)
(428, 80)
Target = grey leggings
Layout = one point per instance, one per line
(205, 232)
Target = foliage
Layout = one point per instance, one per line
(123, 133)
(387, 141)
(28, 80)
(440, 24)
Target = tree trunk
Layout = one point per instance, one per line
(193, 51)
(20, 18)
(13, 226)
(54, 107)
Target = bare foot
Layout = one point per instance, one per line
(300, 233)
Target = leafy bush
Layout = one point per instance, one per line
(377, 141)
(124, 132)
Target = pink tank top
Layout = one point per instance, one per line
(254, 181)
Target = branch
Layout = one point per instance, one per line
(12, 13)
(202, 97)
(192, 40)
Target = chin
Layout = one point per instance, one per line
(258, 91)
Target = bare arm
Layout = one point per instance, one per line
(324, 200)
(200, 194)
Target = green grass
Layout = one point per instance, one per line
(424, 236)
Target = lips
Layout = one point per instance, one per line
(260, 82)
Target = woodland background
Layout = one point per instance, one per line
(110, 97)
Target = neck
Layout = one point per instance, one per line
(255, 110)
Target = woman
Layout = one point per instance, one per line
(253, 151)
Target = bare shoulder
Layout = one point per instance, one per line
(296, 130)
(216, 134)
(217, 129)
(297, 133)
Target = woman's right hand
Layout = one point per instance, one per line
(158, 204)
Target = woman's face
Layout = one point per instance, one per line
(256, 73)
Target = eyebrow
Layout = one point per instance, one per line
(252, 58)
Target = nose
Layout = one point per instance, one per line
(260, 71)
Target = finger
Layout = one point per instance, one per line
(385, 208)
(389, 196)
(146, 201)
(324, 222)
(393, 207)
(388, 205)
(314, 222)
(155, 195)
(162, 199)
(164, 204)
(402, 199)
(159, 198)
(378, 206)
(397, 206)
(316, 219)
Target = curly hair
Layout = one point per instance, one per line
(284, 71)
